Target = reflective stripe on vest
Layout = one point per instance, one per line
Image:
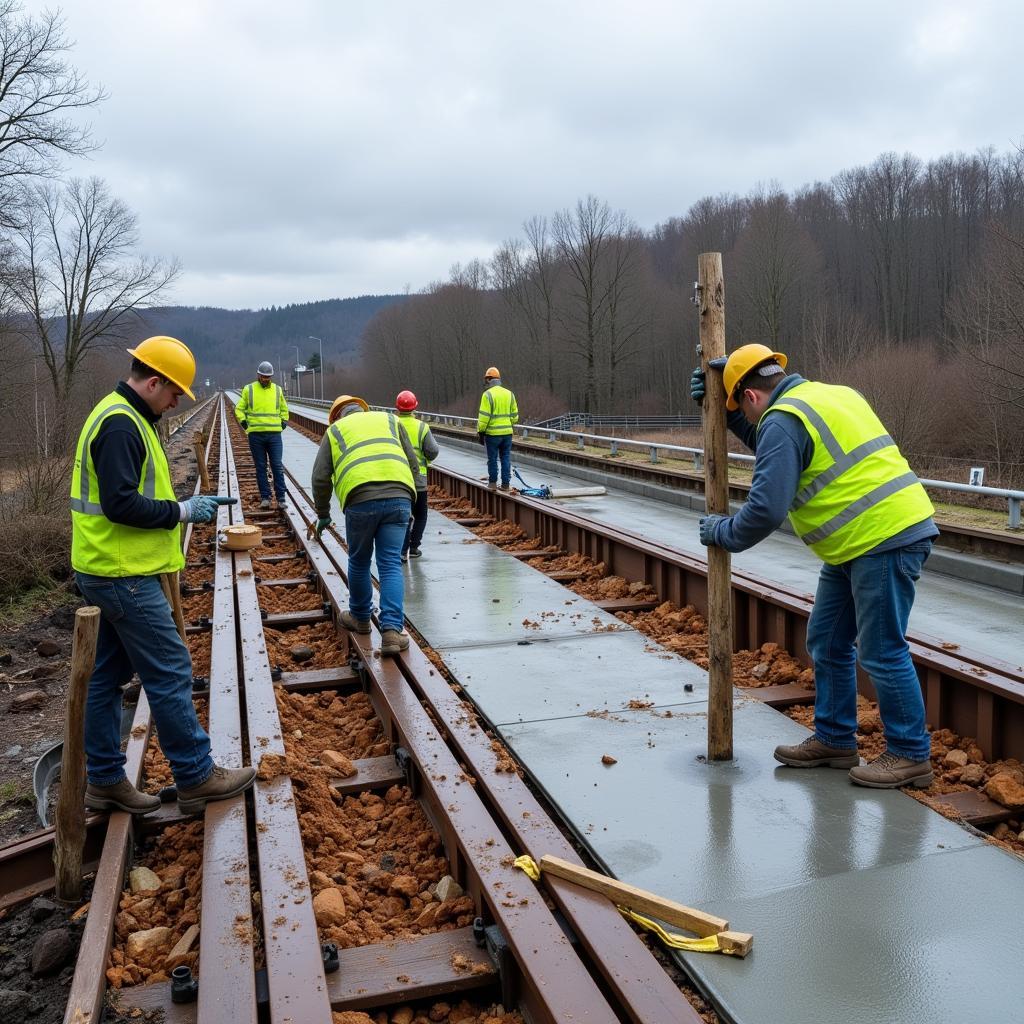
(858, 490)
(407, 424)
(498, 411)
(101, 547)
(268, 416)
(365, 448)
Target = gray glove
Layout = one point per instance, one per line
(698, 385)
(202, 508)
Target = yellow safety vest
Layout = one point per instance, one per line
(858, 490)
(366, 449)
(263, 409)
(100, 547)
(416, 429)
(498, 411)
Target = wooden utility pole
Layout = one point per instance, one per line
(199, 443)
(70, 820)
(711, 300)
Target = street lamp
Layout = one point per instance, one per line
(298, 379)
(314, 338)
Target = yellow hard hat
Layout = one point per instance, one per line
(491, 371)
(340, 402)
(741, 362)
(170, 358)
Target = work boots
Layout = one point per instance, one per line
(121, 796)
(415, 553)
(890, 771)
(222, 784)
(492, 485)
(265, 504)
(393, 641)
(812, 753)
(354, 625)
(504, 488)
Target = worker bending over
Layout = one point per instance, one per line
(498, 414)
(426, 451)
(126, 532)
(263, 413)
(371, 464)
(823, 457)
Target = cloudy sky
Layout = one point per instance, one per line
(311, 149)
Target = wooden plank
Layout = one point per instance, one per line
(370, 975)
(318, 679)
(783, 696)
(975, 808)
(276, 558)
(283, 583)
(627, 604)
(301, 618)
(371, 773)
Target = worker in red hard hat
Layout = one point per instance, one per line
(426, 451)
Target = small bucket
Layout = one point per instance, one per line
(240, 538)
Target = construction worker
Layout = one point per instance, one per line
(263, 413)
(498, 414)
(426, 451)
(824, 458)
(370, 463)
(126, 532)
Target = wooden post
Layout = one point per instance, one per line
(199, 443)
(70, 819)
(172, 591)
(716, 494)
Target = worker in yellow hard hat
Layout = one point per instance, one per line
(126, 532)
(498, 414)
(368, 461)
(824, 459)
(263, 414)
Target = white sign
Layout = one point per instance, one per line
(977, 478)
(300, 369)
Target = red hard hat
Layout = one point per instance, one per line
(406, 401)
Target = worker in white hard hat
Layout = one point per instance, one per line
(263, 413)
(824, 459)
(125, 534)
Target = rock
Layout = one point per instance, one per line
(404, 885)
(387, 862)
(302, 652)
(15, 1004)
(320, 880)
(338, 763)
(182, 946)
(41, 907)
(440, 1011)
(143, 880)
(1005, 790)
(329, 907)
(13, 751)
(403, 1015)
(760, 670)
(447, 889)
(973, 775)
(144, 944)
(955, 759)
(271, 766)
(427, 916)
(1001, 831)
(43, 672)
(47, 648)
(173, 877)
(28, 700)
(52, 950)
(608, 759)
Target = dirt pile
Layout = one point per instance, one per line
(463, 1012)
(313, 723)
(300, 598)
(329, 647)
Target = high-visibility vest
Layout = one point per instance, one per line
(858, 490)
(263, 409)
(498, 411)
(366, 449)
(100, 547)
(417, 430)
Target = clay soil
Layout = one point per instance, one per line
(156, 771)
(330, 648)
(290, 569)
(302, 597)
(463, 1012)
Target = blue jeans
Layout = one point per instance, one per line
(499, 446)
(377, 528)
(137, 634)
(861, 612)
(266, 444)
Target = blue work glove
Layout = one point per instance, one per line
(200, 509)
(245, 424)
(709, 528)
(698, 385)
(482, 436)
(322, 523)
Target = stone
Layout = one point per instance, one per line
(760, 670)
(173, 877)
(440, 1011)
(28, 701)
(1001, 831)
(403, 1015)
(1005, 790)
(329, 907)
(302, 652)
(973, 775)
(608, 759)
(182, 946)
(43, 672)
(13, 751)
(955, 759)
(338, 763)
(52, 950)
(447, 889)
(427, 916)
(47, 648)
(41, 908)
(143, 880)
(404, 885)
(144, 944)
(320, 880)
(15, 1004)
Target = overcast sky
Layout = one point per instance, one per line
(313, 149)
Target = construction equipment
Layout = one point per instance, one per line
(552, 492)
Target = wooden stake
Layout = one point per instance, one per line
(172, 591)
(70, 820)
(199, 443)
(716, 492)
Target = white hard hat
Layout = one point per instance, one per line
(265, 369)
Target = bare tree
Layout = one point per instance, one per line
(79, 284)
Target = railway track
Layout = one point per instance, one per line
(268, 946)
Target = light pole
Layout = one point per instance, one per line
(298, 379)
(320, 341)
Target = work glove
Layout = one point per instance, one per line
(709, 528)
(202, 508)
(245, 423)
(698, 385)
(482, 436)
(322, 523)
(284, 423)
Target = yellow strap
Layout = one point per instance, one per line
(673, 940)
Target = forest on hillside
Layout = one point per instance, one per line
(903, 278)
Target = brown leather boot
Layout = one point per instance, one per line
(222, 783)
(890, 771)
(121, 796)
(812, 753)
(354, 625)
(393, 641)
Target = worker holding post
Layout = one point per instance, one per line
(498, 415)
(263, 413)
(126, 532)
(426, 451)
(370, 463)
(824, 458)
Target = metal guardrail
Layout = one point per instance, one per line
(574, 420)
(1013, 498)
